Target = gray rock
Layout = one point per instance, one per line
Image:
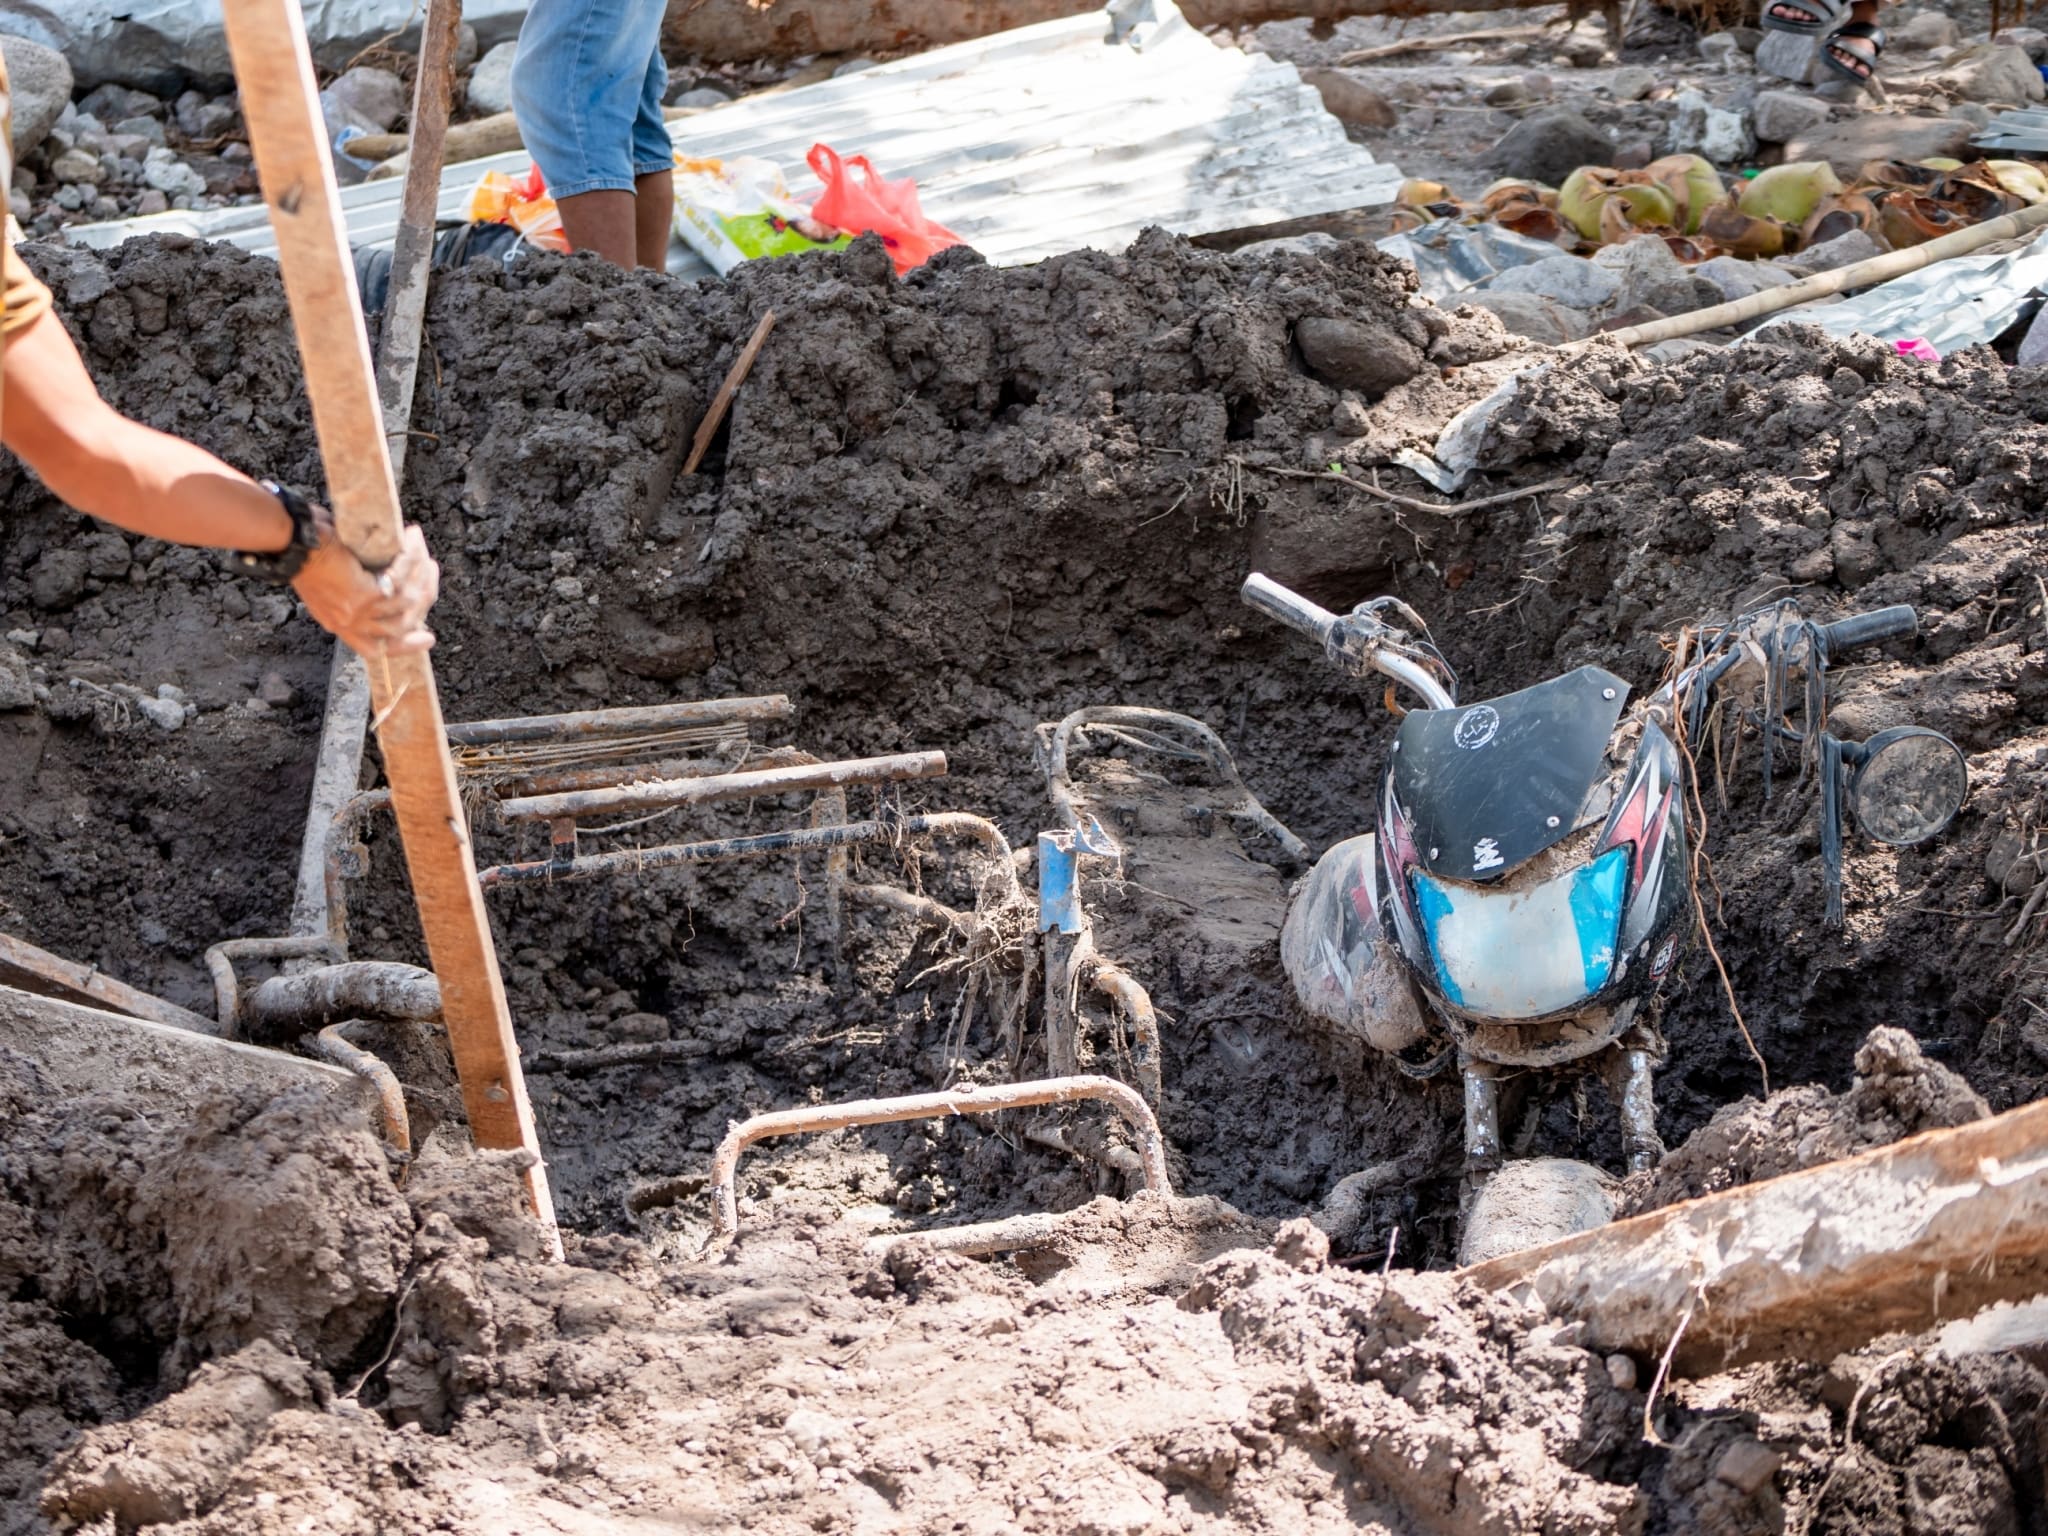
(372, 99)
(1649, 276)
(110, 103)
(1748, 39)
(129, 146)
(1633, 83)
(76, 165)
(1719, 49)
(1975, 113)
(71, 198)
(1352, 354)
(1533, 316)
(58, 579)
(702, 98)
(171, 176)
(39, 84)
(106, 555)
(1780, 116)
(1548, 145)
(164, 714)
(467, 49)
(1735, 278)
(1509, 93)
(1314, 242)
(17, 688)
(490, 83)
(1349, 417)
(1571, 281)
(1351, 100)
(19, 206)
(1701, 128)
(1992, 72)
(1539, 85)
(1929, 29)
(150, 202)
(1583, 51)
(1842, 251)
(139, 127)
(2030, 40)
(1880, 136)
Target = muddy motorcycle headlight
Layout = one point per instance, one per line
(1524, 952)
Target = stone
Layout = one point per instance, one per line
(1790, 56)
(1651, 277)
(17, 688)
(490, 83)
(111, 102)
(1748, 39)
(1548, 145)
(72, 198)
(1314, 242)
(1350, 418)
(1779, 116)
(39, 85)
(1975, 113)
(1632, 83)
(1350, 100)
(2031, 41)
(1735, 278)
(1880, 136)
(1351, 354)
(1538, 85)
(58, 580)
(171, 176)
(164, 714)
(1719, 50)
(1532, 316)
(152, 201)
(147, 129)
(1701, 128)
(1992, 72)
(1746, 1465)
(638, 1028)
(702, 99)
(19, 207)
(1929, 29)
(1621, 1370)
(467, 48)
(129, 146)
(77, 165)
(1509, 93)
(370, 98)
(1842, 251)
(1571, 281)
(1582, 51)
(213, 120)
(106, 555)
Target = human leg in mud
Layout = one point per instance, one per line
(587, 89)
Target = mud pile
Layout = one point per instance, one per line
(944, 511)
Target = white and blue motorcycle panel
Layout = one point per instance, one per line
(1524, 953)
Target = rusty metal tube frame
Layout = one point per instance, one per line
(1136, 1113)
(227, 991)
(384, 989)
(888, 829)
(588, 723)
(1116, 984)
(748, 784)
(390, 1096)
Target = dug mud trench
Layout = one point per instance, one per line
(946, 511)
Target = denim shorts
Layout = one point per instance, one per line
(586, 87)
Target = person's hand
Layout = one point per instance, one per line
(381, 614)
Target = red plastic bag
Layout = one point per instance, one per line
(857, 199)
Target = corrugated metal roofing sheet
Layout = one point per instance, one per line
(1049, 138)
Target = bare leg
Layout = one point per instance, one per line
(604, 222)
(654, 201)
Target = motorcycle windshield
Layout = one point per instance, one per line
(1488, 786)
(1527, 952)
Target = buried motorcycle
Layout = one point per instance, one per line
(1527, 885)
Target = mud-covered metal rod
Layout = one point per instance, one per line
(747, 784)
(801, 840)
(390, 1095)
(619, 722)
(966, 1100)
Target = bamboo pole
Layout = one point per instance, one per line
(280, 101)
(1861, 274)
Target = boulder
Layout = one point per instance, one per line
(1992, 72)
(1549, 145)
(1350, 100)
(490, 83)
(1353, 354)
(372, 99)
(1880, 136)
(1781, 116)
(1929, 29)
(39, 82)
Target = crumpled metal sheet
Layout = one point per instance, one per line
(1054, 137)
(1451, 258)
(1953, 304)
(2024, 131)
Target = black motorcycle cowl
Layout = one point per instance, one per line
(1488, 786)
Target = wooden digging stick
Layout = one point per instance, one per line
(280, 102)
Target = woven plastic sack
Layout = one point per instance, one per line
(858, 200)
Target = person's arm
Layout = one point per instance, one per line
(163, 487)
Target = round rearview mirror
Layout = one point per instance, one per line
(1909, 784)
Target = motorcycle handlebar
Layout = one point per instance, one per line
(1893, 623)
(1296, 612)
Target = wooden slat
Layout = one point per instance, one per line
(274, 73)
(36, 970)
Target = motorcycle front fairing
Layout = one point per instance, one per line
(1508, 894)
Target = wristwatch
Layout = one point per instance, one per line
(311, 527)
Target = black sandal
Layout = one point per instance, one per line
(1808, 18)
(1848, 63)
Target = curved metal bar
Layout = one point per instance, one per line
(227, 991)
(1115, 983)
(969, 1100)
(383, 989)
(390, 1095)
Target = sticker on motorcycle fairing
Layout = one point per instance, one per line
(1486, 855)
(1476, 727)
(1666, 952)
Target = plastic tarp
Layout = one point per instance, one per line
(1953, 304)
(1452, 258)
(161, 45)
